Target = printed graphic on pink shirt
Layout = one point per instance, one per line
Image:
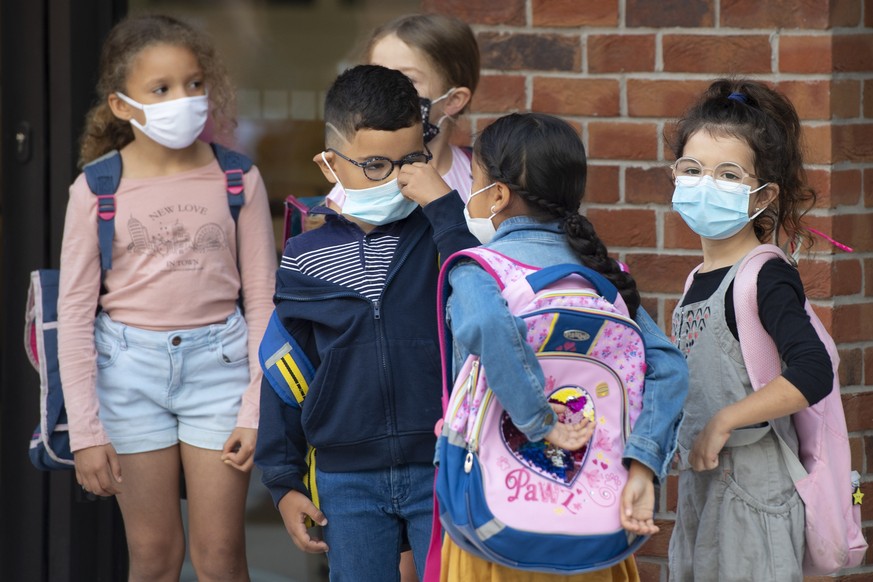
(171, 236)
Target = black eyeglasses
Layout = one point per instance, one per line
(378, 168)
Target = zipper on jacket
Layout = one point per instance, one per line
(377, 309)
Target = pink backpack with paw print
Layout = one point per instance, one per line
(531, 505)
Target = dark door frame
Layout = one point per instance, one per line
(48, 60)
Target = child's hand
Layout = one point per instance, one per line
(98, 470)
(294, 508)
(571, 437)
(239, 449)
(708, 444)
(422, 183)
(638, 501)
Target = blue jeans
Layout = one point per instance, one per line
(367, 512)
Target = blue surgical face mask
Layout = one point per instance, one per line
(713, 211)
(377, 205)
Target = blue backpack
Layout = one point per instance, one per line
(50, 443)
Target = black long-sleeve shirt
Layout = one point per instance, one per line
(781, 308)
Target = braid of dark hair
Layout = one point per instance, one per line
(592, 252)
(587, 245)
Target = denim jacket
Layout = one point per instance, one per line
(475, 305)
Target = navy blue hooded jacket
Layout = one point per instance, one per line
(375, 396)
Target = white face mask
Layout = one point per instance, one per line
(482, 228)
(174, 124)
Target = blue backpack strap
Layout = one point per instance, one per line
(103, 176)
(285, 365)
(234, 165)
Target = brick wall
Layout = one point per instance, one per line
(622, 70)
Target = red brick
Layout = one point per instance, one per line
(659, 543)
(853, 142)
(820, 181)
(816, 277)
(669, 13)
(852, 322)
(775, 14)
(500, 93)
(845, 187)
(853, 230)
(574, 13)
(624, 228)
(621, 53)
(669, 308)
(719, 55)
(868, 381)
(846, 277)
(512, 12)
(817, 146)
(660, 98)
(573, 96)
(463, 133)
(868, 187)
(868, 98)
(859, 412)
(868, 20)
(677, 235)
(650, 304)
(543, 52)
(623, 140)
(845, 13)
(602, 184)
(672, 490)
(812, 99)
(826, 315)
(851, 367)
(868, 283)
(853, 52)
(649, 571)
(857, 446)
(845, 99)
(661, 273)
(805, 54)
(645, 185)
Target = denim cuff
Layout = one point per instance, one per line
(541, 425)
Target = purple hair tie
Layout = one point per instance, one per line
(738, 97)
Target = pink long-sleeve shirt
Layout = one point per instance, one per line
(174, 266)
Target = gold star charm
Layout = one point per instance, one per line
(857, 496)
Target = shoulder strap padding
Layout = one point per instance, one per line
(234, 165)
(103, 176)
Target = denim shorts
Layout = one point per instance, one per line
(157, 388)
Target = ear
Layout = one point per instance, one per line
(767, 196)
(456, 102)
(324, 167)
(120, 108)
(501, 197)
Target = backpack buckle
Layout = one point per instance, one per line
(106, 206)
(234, 181)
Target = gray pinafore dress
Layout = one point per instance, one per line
(743, 520)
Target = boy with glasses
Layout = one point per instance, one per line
(356, 299)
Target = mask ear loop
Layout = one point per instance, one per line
(335, 177)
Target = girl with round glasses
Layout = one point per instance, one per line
(739, 183)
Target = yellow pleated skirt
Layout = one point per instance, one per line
(460, 566)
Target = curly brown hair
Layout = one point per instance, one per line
(103, 131)
(767, 121)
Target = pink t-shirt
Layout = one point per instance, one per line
(458, 177)
(174, 266)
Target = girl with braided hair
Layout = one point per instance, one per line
(529, 175)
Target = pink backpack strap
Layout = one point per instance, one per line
(759, 350)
